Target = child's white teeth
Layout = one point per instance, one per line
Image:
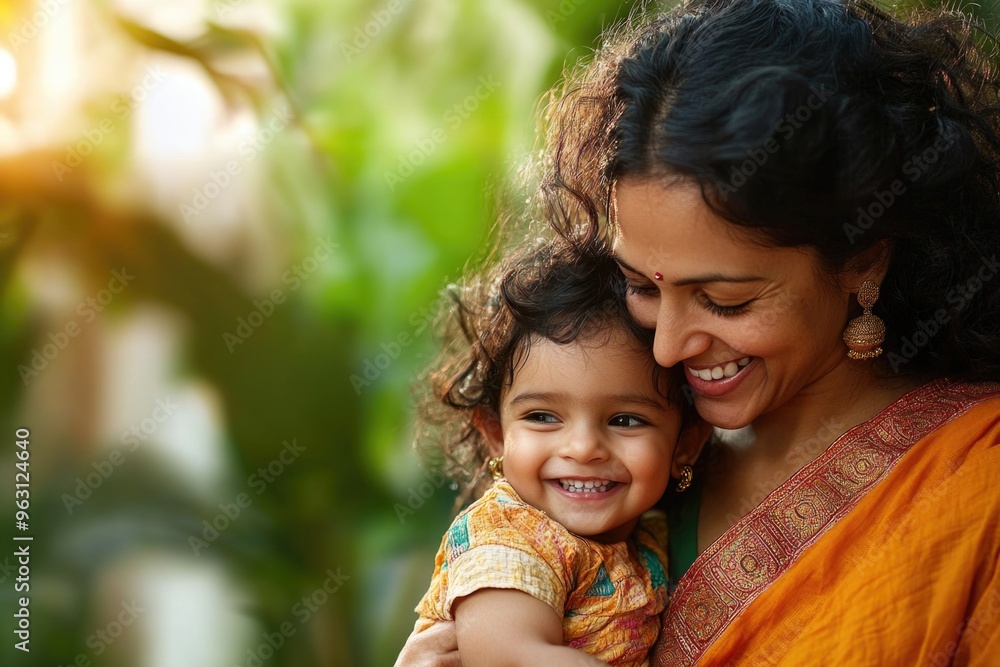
(577, 486)
(719, 372)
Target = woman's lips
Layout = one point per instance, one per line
(725, 383)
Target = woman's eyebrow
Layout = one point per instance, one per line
(694, 280)
(715, 278)
(625, 265)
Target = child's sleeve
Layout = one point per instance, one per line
(506, 544)
(651, 541)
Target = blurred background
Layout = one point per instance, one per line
(224, 229)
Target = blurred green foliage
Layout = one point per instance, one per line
(408, 119)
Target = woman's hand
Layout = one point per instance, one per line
(437, 646)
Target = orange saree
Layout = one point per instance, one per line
(882, 551)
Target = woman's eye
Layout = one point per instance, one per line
(727, 311)
(627, 421)
(641, 290)
(541, 418)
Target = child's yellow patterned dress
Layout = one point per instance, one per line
(609, 595)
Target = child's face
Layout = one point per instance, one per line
(584, 414)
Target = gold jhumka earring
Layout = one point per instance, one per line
(864, 335)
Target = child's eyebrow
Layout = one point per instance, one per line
(536, 396)
(631, 398)
(628, 398)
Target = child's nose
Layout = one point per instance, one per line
(584, 444)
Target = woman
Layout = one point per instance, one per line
(803, 197)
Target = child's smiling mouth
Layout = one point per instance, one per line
(586, 486)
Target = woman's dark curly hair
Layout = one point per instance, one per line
(546, 289)
(818, 123)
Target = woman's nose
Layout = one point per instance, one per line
(677, 338)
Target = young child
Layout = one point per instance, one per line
(553, 388)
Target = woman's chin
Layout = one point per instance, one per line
(723, 415)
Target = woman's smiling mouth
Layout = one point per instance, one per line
(721, 371)
(731, 376)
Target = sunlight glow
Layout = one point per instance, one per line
(8, 73)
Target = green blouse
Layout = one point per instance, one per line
(682, 538)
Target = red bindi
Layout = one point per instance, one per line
(658, 275)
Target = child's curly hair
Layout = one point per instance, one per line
(550, 288)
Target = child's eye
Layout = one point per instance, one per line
(627, 421)
(541, 418)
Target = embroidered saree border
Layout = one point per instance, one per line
(761, 546)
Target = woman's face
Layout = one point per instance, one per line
(753, 326)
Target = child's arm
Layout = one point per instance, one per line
(508, 628)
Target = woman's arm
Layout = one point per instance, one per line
(508, 628)
(437, 646)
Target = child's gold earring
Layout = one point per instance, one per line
(684, 483)
(496, 467)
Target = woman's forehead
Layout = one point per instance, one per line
(655, 222)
